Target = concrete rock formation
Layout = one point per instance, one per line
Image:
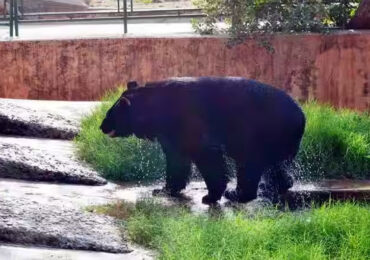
(35, 163)
(25, 221)
(37, 206)
(19, 120)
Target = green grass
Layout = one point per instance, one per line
(332, 231)
(336, 144)
(128, 159)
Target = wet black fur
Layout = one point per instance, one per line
(200, 120)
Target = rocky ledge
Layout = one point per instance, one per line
(52, 224)
(24, 121)
(41, 160)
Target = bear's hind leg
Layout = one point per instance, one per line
(283, 179)
(275, 181)
(248, 178)
(211, 164)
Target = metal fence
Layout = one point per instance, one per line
(11, 19)
(124, 12)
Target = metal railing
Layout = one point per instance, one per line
(11, 19)
(131, 5)
(17, 15)
(13, 13)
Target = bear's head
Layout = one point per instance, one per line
(117, 122)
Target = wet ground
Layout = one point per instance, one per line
(83, 196)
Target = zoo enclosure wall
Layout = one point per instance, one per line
(330, 68)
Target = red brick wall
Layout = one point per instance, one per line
(331, 68)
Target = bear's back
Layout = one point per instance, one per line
(226, 92)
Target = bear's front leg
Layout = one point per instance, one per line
(178, 170)
(211, 164)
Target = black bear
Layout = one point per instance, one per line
(200, 120)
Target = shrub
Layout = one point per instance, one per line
(336, 144)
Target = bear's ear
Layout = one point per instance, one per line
(125, 100)
(132, 85)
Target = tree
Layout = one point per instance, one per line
(361, 20)
(251, 17)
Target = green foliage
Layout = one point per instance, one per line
(214, 10)
(336, 144)
(258, 18)
(129, 159)
(332, 231)
(340, 12)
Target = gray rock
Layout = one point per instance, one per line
(19, 120)
(29, 222)
(38, 163)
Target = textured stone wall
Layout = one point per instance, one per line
(331, 68)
